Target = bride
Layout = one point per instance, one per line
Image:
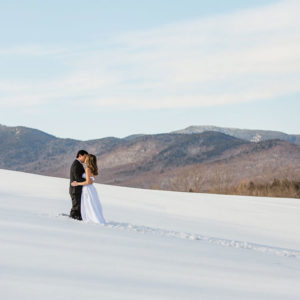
(91, 209)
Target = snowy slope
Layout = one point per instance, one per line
(157, 245)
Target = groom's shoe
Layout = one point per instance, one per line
(77, 217)
(74, 214)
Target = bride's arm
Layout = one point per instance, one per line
(87, 181)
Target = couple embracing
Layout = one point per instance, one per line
(86, 205)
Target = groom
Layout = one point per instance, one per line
(76, 172)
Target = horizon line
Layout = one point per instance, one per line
(170, 132)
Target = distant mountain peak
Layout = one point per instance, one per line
(252, 135)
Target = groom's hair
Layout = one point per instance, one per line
(81, 152)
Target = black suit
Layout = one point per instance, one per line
(76, 172)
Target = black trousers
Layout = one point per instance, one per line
(76, 201)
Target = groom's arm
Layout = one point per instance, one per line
(78, 173)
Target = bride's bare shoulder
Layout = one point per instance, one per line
(89, 171)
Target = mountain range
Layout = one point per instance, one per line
(245, 134)
(206, 156)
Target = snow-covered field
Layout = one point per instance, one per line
(157, 245)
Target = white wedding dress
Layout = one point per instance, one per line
(91, 208)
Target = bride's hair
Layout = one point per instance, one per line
(91, 163)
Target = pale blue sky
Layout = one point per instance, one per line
(113, 68)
